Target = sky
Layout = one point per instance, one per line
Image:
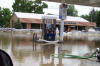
(52, 7)
(6, 3)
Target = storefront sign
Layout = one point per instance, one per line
(86, 23)
(92, 24)
(83, 23)
(70, 23)
(62, 11)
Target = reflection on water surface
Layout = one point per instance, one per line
(25, 52)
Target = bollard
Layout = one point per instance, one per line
(34, 36)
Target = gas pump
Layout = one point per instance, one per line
(49, 28)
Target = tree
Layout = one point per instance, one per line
(87, 17)
(38, 6)
(22, 6)
(98, 18)
(5, 15)
(0, 17)
(93, 16)
(29, 6)
(18, 24)
(71, 11)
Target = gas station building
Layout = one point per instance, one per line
(34, 21)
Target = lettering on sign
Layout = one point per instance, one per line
(71, 23)
(83, 23)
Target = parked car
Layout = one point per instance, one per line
(97, 28)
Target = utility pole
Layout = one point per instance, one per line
(92, 15)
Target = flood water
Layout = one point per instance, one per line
(24, 52)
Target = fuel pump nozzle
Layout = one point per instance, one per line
(98, 54)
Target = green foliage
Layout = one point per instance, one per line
(87, 17)
(0, 17)
(22, 6)
(93, 16)
(98, 18)
(5, 15)
(29, 6)
(71, 11)
(38, 6)
(18, 24)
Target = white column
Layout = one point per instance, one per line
(61, 30)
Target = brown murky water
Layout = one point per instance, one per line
(25, 52)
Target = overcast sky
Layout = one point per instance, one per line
(52, 7)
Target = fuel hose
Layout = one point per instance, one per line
(74, 56)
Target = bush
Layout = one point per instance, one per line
(18, 24)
